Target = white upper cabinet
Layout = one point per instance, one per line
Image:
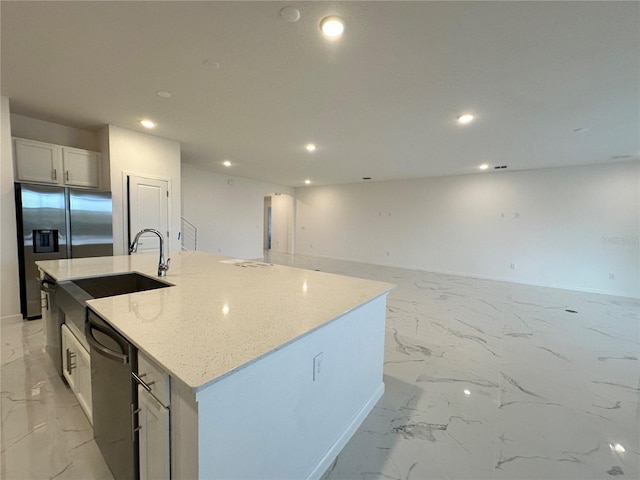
(37, 161)
(81, 167)
(41, 162)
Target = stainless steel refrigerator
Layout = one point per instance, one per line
(55, 223)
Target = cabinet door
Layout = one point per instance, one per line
(76, 368)
(37, 161)
(83, 380)
(153, 440)
(46, 315)
(69, 357)
(81, 167)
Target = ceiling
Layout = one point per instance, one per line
(550, 83)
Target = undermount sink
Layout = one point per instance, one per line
(71, 295)
(112, 285)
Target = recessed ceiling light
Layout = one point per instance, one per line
(163, 94)
(208, 63)
(332, 26)
(484, 166)
(226, 163)
(465, 118)
(307, 181)
(290, 14)
(148, 123)
(310, 147)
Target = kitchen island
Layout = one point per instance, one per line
(271, 368)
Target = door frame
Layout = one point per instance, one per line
(125, 207)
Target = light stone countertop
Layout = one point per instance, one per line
(218, 317)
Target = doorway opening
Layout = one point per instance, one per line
(267, 225)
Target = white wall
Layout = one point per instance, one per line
(227, 211)
(561, 227)
(9, 282)
(34, 129)
(143, 155)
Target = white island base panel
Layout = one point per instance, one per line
(284, 416)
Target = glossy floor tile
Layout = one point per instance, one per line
(484, 380)
(493, 380)
(44, 432)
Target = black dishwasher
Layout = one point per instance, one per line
(115, 396)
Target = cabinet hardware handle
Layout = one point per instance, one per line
(146, 386)
(55, 175)
(66, 175)
(70, 364)
(70, 361)
(134, 428)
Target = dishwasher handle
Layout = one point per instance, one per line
(101, 349)
(48, 286)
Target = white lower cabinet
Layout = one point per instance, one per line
(76, 368)
(153, 421)
(155, 452)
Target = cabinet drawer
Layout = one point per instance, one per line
(156, 378)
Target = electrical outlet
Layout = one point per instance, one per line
(317, 366)
(513, 266)
(612, 276)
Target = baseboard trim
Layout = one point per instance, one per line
(326, 461)
(574, 288)
(7, 319)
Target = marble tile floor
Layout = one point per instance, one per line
(484, 380)
(44, 433)
(495, 380)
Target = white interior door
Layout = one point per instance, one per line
(148, 208)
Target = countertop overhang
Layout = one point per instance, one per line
(220, 315)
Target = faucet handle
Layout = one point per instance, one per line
(163, 267)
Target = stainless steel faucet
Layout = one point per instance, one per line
(162, 266)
